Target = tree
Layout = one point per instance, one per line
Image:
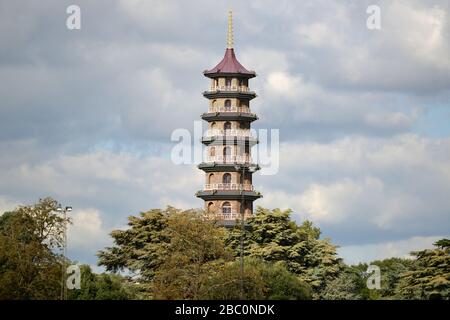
(280, 283)
(182, 255)
(261, 280)
(30, 267)
(271, 235)
(429, 277)
(142, 247)
(102, 287)
(195, 251)
(171, 251)
(391, 270)
(347, 286)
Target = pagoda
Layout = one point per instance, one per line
(228, 191)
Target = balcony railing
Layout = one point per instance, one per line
(229, 109)
(232, 215)
(230, 88)
(228, 186)
(229, 215)
(229, 132)
(229, 159)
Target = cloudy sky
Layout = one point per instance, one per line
(364, 115)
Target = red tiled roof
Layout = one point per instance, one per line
(229, 64)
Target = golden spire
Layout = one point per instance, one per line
(230, 30)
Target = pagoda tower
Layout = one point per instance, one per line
(228, 191)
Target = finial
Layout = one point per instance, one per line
(230, 30)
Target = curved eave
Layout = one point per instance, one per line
(229, 94)
(229, 140)
(213, 75)
(229, 167)
(232, 116)
(228, 195)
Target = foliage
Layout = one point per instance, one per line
(280, 283)
(179, 254)
(142, 247)
(261, 280)
(429, 277)
(102, 287)
(271, 235)
(182, 255)
(347, 286)
(29, 266)
(195, 251)
(391, 270)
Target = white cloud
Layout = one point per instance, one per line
(86, 231)
(391, 185)
(317, 34)
(421, 31)
(6, 205)
(401, 248)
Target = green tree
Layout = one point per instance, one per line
(182, 255)
(103, 287)
(347, 286)
(280, 283)
(429, 277)
(171, 251)
(262, 280)
(271, 235)
(30, 267)
(142, 247)
(391, 270)
(195, 251)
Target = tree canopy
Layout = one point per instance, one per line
(30, 266)
(175, 254)
(271, 235)
(429, 277)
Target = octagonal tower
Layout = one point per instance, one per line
(228, 191)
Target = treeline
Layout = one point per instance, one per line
(175, 254)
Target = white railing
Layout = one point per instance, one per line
(229, 215)
(229, 132)
(229, 109)
(229, 159)
(232, 215)
(228, 186)
(229, 88)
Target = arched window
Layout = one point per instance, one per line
(228, 82)
(227, 105)
(212, 151)
(226, 207)
(226, 178)
(213, 125)
(227, 126)
(210, 178)
(211, 207)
